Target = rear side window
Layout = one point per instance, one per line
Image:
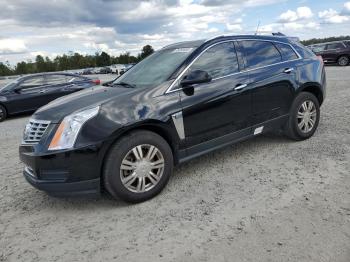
(218, 61)
(260, 53)
(286, 51)
(335, 46)
(318, 48)
(56, 79)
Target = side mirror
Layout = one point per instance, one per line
(195, 77)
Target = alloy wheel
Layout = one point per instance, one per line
(142, 168)
(343, 61)
(307, 116)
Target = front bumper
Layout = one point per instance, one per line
(66, 173)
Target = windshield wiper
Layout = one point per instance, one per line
(125, 84)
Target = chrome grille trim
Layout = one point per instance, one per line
(34, 131)
(29, 171)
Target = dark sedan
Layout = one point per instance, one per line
(28, 93)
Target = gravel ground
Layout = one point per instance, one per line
(267, 199)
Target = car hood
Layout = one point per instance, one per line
(56, 110)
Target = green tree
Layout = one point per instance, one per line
(40, 64)
(5, 70)
(103, 59)
(146, 51)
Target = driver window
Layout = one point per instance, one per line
(218, 61)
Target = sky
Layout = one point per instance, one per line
(54, 27)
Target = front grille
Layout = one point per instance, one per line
(34, 131)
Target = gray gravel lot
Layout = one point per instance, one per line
(267, 199)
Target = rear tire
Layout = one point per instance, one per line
(138, 166)
(304, 117)
(343, 61)
(3, 113)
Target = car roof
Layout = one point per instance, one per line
(199, 43)
(50, 73)
(331, 42)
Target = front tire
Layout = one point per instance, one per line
(3, 113)
(304, 117)
(343, 61)
(138, 166)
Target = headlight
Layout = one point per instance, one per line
(68, 130)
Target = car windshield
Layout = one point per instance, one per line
(9, 85)
(155, 69)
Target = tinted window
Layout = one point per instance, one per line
(318, 48)
(34, 81)
(335, 46)
(287, 52)
(56, 79)
(260, 53)
(219, 60)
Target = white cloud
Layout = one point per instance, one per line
(304, 12)
(301, 13)
(332, 16)
(233, 27)
(12, 46)
(347, 7)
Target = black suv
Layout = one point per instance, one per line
(333, 52)
(183, 101)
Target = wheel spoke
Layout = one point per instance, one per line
(311, 122)
(153, 178)
(141, 183)
(158, 164)
(301, 124)
(300, 115)
(138, 152)
(304, 106)
(151, 152)
(129, 179)
(127, 165)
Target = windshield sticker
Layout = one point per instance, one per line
(182, 50)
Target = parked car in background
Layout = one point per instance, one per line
(183, 101)
(87, 71)
(28, 93)
(333, 52)
(105, 70)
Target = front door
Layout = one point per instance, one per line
(222, 106)
(28, 95)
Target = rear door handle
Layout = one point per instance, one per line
(42, 91)
(288, 70)
(240, 87)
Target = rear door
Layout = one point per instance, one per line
(271, 68)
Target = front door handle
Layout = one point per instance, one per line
(240, 87)
(288, 70)
(42, 91)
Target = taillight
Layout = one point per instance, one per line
(321, 59)
(96, 81)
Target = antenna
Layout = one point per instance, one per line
(257, 28)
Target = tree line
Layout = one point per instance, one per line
(324, 40)
(72, 61)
